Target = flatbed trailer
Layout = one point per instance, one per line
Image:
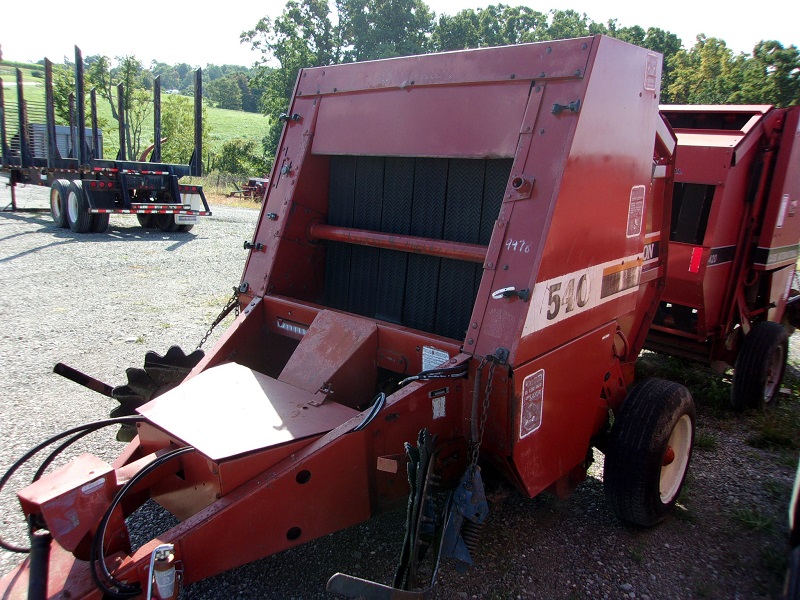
(85, 189)
(731, 296)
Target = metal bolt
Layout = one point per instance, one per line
(470, 341)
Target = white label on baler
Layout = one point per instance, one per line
(439, 406)
(432, 357)
(572, 294)
(782, 213)
(636, 211)
(530, 418)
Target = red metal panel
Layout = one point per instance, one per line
(72, 499)
(554, 60)
(557, 408)
(780, 232)
(468, 122)
(578, 215)
(335, 360)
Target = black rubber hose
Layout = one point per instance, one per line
(123, 590)
(39, 564)
(82, 429)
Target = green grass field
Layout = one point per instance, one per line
(222, 125)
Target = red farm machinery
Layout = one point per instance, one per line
(85, 189)
(450, 274)
(731, 296)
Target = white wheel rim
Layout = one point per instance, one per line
(55, 203)
(679, 446)
(773, 373)
(72, 206)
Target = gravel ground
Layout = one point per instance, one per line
(98, 302)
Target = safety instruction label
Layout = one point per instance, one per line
(433, 357)
(636, 211)
(532, 399)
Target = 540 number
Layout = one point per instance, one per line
(574, 294)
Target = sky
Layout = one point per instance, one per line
(177, 31)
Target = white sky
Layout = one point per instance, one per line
(198, 34)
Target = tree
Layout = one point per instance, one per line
(241, 157)
(707, 73)
(177, 126)
(302, 36)
(771, 76)
(225, 93)
(373, 29)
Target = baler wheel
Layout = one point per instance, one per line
(78, 215)
(649, 449)
(148, 220)
(58, 202)
(760, 366)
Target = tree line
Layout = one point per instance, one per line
(309, 34)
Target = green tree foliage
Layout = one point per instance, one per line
(241, 157)
(302, 36)
(177, 126)
(707, 73)
(372, 29)
(225, 93)
(771, 76)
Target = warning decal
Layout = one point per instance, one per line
(532, 399)
(636, 211)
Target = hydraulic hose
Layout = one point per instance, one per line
(123, 590)
(81, 431)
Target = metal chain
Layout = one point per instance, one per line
(476, 449)
(231, 304)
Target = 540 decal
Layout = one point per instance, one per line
(568, 295)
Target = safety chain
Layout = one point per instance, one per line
(476, 449)
(231, 304)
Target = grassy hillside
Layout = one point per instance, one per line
(221, 125)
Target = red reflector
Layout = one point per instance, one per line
(92, 184)
(194, 188)
(694, 264)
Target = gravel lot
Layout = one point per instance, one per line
(98, 302)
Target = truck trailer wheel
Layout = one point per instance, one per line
(58, 202)
(99, 223)
(648, 453)
(166, 223)
(147, 220)
(78, 215)
(760, 365)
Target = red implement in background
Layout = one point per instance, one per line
(733, 244)
(449, 272)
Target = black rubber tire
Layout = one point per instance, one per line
(791, 589)
(760, 365)
(58, 202)
(656, 419)
(184, 228)
(78, 215)
(99, 223)
(148, 220)
(166, 223)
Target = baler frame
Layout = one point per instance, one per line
(338, 404)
